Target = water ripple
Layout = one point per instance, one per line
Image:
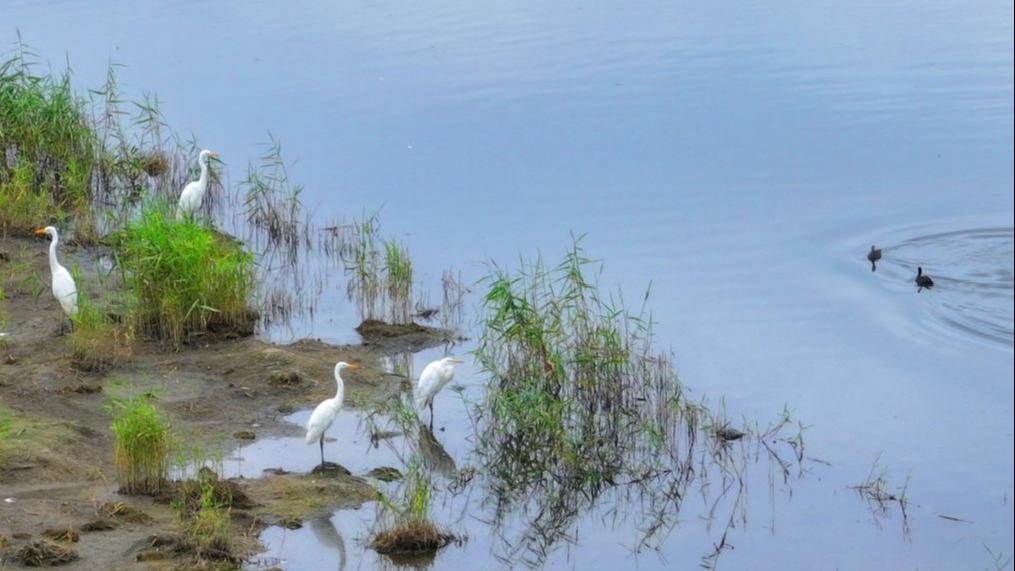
(974, 277)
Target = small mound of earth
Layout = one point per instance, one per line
(66, 535)
(330, 469)
(411, 538)
(372, 328)
(385, 474)
(97, 525)
(189, 493)
(288, 378)
(122, 511)
(388, 337)
(43, 554)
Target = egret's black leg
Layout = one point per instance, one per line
(431, 416)
(322, 450)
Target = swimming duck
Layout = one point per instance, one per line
(922, 280)
(874, 255)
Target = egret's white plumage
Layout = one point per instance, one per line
(326, 412)
(433, 378)
(193, 194)
(64, 289)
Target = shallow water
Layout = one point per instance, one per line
(740, 157)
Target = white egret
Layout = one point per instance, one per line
(64, 289)
(327, 411)
(193, 194)
(433, 378)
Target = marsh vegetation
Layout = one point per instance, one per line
(581, 409)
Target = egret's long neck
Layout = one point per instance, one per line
(203, 180)
(53, 263)
(340, 391)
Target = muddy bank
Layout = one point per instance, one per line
(56, 449)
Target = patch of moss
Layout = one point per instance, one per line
(28, 442)
(290, 497)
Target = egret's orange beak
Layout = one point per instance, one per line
(40, 231)
(213, 155)
(353, 367)
(456, 360)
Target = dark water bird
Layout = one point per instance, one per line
(923, 280)
(729, 434)
(874, 255)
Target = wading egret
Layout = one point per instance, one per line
(193, 194)
(432, 380)
(326, 412)
(874, 255)
(922, 280)
(64, 289)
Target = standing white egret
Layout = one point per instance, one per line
(64, 289)
(432, 380)
(326, 412)
(193, 194)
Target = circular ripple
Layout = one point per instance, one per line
(974, 276)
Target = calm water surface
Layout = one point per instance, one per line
(740, 156)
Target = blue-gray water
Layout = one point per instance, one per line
(740, 156)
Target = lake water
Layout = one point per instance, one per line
(739, 156)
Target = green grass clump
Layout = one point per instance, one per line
(184, 278)
(23, 205)
(45, 126)
(209, 527)
(97, 343)
(408, 528)
(143, 445)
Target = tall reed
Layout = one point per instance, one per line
(398, 281)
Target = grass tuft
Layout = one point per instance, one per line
(398, 281)
(408, 529)
(143, 445)
(184, 278)
(209, 527)
(97, 342)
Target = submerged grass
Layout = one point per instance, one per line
(880, 497)
(184, 278)
(143, 445)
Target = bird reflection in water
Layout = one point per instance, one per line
(327, 535)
